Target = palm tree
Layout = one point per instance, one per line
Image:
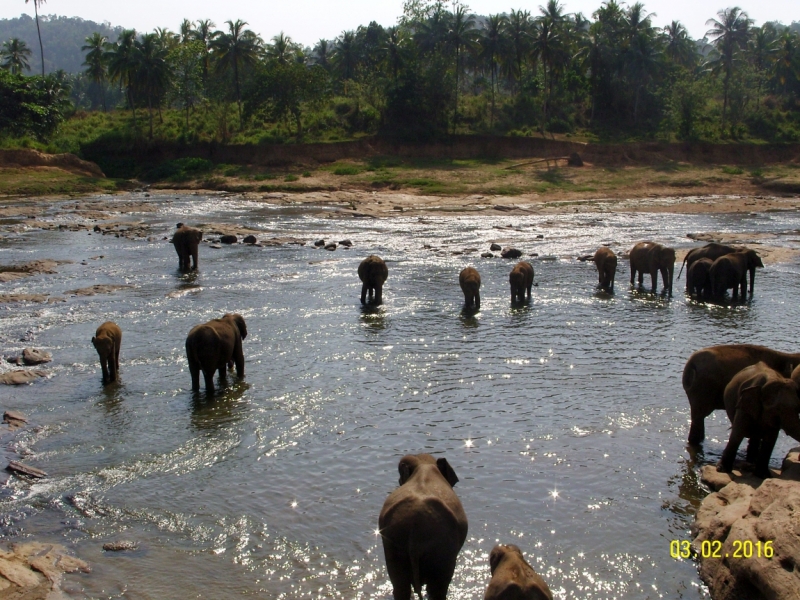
(492, 50)
(462, 35)
(95, 62)
(762, 48)
(729, 35)
(123, 65)
(187, 31)
(345, 57)
(237, 48)
(642, 57)
(680, 48)
(205, 33)
(36, 4)
(15, 54)
(787, 62)
(282, 49)
(395, 42)
(517, 32)
(152, 73)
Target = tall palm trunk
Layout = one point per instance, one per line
(39, 31)
(238, 95)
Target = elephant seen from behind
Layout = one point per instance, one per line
(213, 346)
(730, 272)
(470, 281)
(423, 527)
(513, 578)
(606, 262)
(186, 241)
(107, 341)
(759, 402)
(521, 280)
(698, 278)
(652, 258)
(710, 251)
(373, 274)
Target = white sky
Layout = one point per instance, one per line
(306, 21)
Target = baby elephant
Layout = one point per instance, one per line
(107, 340)
(698, 279)
(521, 279)
(513, 578)
(212, 346)
(422, 526)
(759, 402)
(373, 274)
(606, 262)
(470, 281)
(186, 241)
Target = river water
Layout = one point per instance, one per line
(564, 419)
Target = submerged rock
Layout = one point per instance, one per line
(487, 255)
(31, 356)
(33, 571)
(120, 545)
(21, 376)
(250, 239)
(228, 239)
(331, 246)
(319, 243)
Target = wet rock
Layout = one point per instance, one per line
(511, 253)
(12, 415)
(93, 290)
(487, 255)
(18, 467)
(319, 243)
(31, 356)
(97, 229)
(215, 246)
(34, 267)
(427, 246)
(331, 246)
(7, 298)
(228, 239)
(346, 243)
(21, 376)
(540, 236)
(495, 247)
(250, 239)
(120, 545)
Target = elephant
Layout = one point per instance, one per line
(107, 341)
(730, 271)
(513, 578)
(759, 402)
(650, 257)
(423, 527)
(606, 262)
(373, 274)
(709, 370)
(698, 280)
(521, 280)
(711, 251)
(212, 346)
(186, 240)
(470, 281)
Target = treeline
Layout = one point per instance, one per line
(444, 70)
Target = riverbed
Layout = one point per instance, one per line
(564, 419)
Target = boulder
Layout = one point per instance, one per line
(319, 243)
(575, 160)
(330, 246)
(250, 239)
(31, 356)
(228, 239)
(346, 243)
(120, 545)
(495, 247)
(511, 253)
(20, 376)
(487, 255)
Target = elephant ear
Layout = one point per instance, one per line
(447, 471)
(239, 319)
(750, 401)
(496, 557)
(406, 468)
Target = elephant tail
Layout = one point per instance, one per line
(416, 579)
(682, 264)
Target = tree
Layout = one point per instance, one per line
(282, 49)
(123, 65)
(729, 36)
(15, 54)
(152, 70)
(234, 50)
(680, 48)
(204, 34)
(322, 54)
(345, 56)
(187, 71)
(462, 35)
(36, 4)
(518, 32)
(95, 62)
(32, 105)
(492, 50)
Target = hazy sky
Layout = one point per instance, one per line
(306, 21)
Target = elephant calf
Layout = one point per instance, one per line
(422, 526)
(107, 341)
(649, 257)
(521, 280)
(212, 346)
(513, 578)
(373, 274)
(606, 262)
(186, 241)
(759, 402)
(710, 251)
(470, 281)
(698, 278)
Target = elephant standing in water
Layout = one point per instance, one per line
(698, 278)
(107, 341)
(730, 272)
(521, 280)
(708, 372)
(373, 274)
(423, 527)
(470, 281)
(759, 402)
(186, 241)
(649, 257)
(513, 578)
(606, 262)
(710, 251)
(212, 346)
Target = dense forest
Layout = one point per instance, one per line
(441, 70)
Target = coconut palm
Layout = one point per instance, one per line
(205, 33)
(95, 62)
(680, 48)
(282, 49)
(729, 36)
(461, 36)
(492, 50)
(517, 31)
(234, 50)
(15, 54)
(395, 42)
(322, 54)
(345, 55)
(187, 31)
(123, 65)
(152, 72)
(36, 4)
(762, 49)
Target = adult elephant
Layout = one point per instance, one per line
(650, 257)
(213, 346)
(373, 274)
(107, 341)
(606, 262)
(710, 251)
(521, 280)
(698, 278)
(470, 281)
(730, 272)
(422, 526)
(513, 578)
(709, 370)
(759, 402)
(186, 241)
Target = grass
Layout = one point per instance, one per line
(732, 170)
(44, 182)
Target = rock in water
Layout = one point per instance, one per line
(250, 239)
(511, 253)
(120, 545)
(487, 255)
(331, 246)
(31, 356)
(319, 243)
(20, 376)
(346, 243)
(18, 467)
(495, 247)
(228, 239)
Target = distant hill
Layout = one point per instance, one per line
(62, 38)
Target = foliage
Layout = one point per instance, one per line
(31, 105)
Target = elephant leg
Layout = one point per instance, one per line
(477, 300)
(753, 448)
(104, 367)
(223, 374)
(768, 439)
(734, 441)
(238, 359)
(697, 429)
(399, 569)
(363, 293)
(208, 375)
(379, 294)
(641, 278)
(654, 281)
(194, 259)
(112, 369)
(529, 291)
(194, 369)
(752, 279)
(633, 274)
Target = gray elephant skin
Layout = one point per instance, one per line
(513, 578)
(107, 341)
(759, 402)
(423, 527)
(470, 281)
(212, 346)
(652, 258)
(606, 262)
(698, 278)
(730, 272)
(521, 280)
(710, 251)
(186, 241)
(373, 274)
(708, 372)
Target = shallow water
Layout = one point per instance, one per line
(564, 419)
